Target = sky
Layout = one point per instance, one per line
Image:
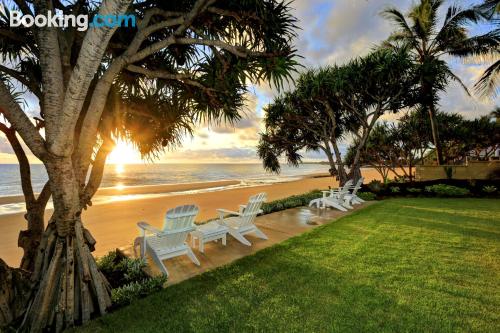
(332, 31)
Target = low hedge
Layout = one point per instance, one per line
(291, 202)
(436, 188)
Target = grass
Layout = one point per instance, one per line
(402, 265)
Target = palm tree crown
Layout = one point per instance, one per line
(429, 41)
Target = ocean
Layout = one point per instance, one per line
(161, 174)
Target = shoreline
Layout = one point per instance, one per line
(173, 189)
(114, 224)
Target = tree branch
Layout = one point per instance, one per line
(21, 123)
(51, 66)
(91, 121)
(90, 56)
(24, 165)
(160, 74)
(19, 77)
(44, 196)
(97, 172)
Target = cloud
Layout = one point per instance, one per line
(5, 146)
(222, 154)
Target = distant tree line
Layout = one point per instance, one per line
(408, 71)
(398, 147)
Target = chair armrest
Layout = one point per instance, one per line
(144, 227)
(227, 212)
(242, 208)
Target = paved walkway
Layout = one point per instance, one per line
(278, 226)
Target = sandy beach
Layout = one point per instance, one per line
(113, 223)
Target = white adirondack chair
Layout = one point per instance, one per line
(243, 222)
(169, 242)
(352, 197)
(334, 198)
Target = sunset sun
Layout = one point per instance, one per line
(123, 153)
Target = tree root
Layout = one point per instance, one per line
(70, 289)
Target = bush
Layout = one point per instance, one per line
(395, 189)
(443, 190)
(127, 277)
(367, 196)
(290, 202)
(126, 294)
(414, 190)
(375, 186)
(120, 270)
(490, 189)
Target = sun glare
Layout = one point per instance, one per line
(119, 168)
(123, 154)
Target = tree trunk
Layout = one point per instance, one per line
(14, 293)
(435, 134)
(336, 166)
(29, 239)
(340, 165)
(68, 286)
(355, 172)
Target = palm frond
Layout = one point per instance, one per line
(489, 83)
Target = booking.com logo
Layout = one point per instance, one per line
(81, 22)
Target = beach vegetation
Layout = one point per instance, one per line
(490, 189)
(396, 148)
(367, 196)
(406, 264)
(489, 83)
(185, 62)
(375, 185)
(291, 202)
(128, 278)
(137, 289)
(333, 102)
(395, 189)
(443, 190)
(430, 40)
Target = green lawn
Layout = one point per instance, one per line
(405, 265)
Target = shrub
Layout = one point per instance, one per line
(120, 270)
(414, 190)
(126, 294)
(367, 196)
(290, 202)
(490, 189)
(443, 190)
(127, 278)
(395, 189)
(375, 186)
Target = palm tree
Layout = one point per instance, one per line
(488, 84)
(429, 42)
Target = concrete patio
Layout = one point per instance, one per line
(278, 226)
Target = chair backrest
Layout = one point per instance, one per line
(345, 189)
(358, 185)
(251, 210)
(179, 222)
